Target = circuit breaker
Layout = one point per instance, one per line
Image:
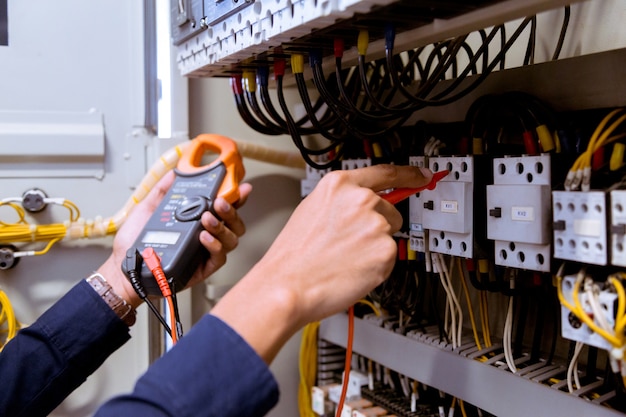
(518, 212)
(580, 226)
(448, 211)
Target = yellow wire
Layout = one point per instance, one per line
(596, 134)
(600, 141)
(8, 318)
(620, 319)
(370, 304)
(469, 303)
(308, 368)
(48, 246)
(73, 208)
(20, 212)
(580, 313)
(463, 412)
(484, 318)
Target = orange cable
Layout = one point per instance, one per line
(153, 262)
(346, 371)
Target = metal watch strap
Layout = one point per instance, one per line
(123, 310)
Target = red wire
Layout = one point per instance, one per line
(153, 262)
(170, 305)
(346, 371)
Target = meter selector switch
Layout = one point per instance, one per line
(191, 209)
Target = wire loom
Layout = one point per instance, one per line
(372, 100)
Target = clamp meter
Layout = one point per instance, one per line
(173, 229)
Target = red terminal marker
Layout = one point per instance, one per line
(400, 194)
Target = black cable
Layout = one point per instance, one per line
(260, 115)
(297, 139)
(559, 44)
(529, 57)
(132, 264)
(350, 125)
(268, 105)
(244, 112)
(179, 325)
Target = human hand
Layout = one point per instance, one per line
(336, 247)
(219, 237)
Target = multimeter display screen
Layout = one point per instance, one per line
(160, 237)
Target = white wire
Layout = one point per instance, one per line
(599, 315)
(450, 315)
(506, 342)
(455, 300)
(573, 368)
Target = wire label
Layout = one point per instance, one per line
(524, 214)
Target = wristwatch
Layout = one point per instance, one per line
(124, 311)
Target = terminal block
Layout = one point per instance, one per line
(518, 212)
(618, 227)
(448, 211)
(313, 176)
(418, 236)
(347, 164)
(580, 226)
(572, 328)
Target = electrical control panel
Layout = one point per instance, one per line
(448, 211)
(518, 212)
(215, 38)
(580, 226)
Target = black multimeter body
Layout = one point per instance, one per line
(173, 229)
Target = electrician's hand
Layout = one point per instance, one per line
(219, 238)
(336, 247)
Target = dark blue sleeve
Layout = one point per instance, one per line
(212, 372)
(46, 361)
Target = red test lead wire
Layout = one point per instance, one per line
(153, 262)
(400, 194)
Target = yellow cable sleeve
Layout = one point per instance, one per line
(363, 42)
(249, 81)
(545, 138)
(617, 156)
(477, 146)
(297, 63)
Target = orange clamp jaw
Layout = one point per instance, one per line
(228, 154)
(400, 194)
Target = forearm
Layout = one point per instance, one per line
(261, 310)
(46, 361)
(212, 371)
